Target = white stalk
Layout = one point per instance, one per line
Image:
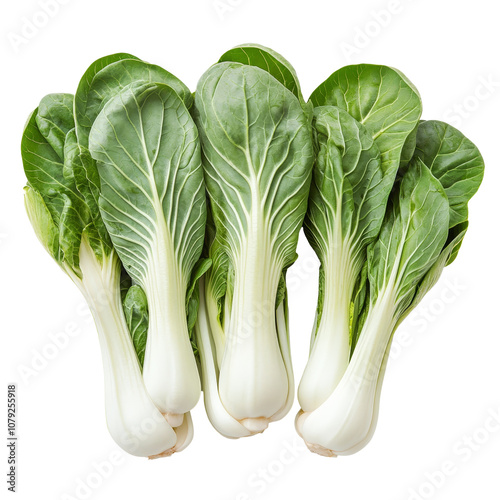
(376, 405)
(170, 371)
(253, 382)
(345, 421)
(222, 421)
(284, 340)
(134, 422)
(330, 349)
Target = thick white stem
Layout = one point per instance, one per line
(329, 356)
(170, 371)
(346, 420)
(253, 382)
(222, 421)
(134, 422)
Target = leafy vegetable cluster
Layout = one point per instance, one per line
(178, 215)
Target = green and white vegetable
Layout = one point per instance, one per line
(177, 215)
(257, 158)
(70, 228)
(153, 204)
(363, 117)
(63, 197)
(374, 268)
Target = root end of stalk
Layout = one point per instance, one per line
(320, 450)
(255, 425)
(315, 448)
(166, 453)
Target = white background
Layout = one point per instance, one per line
(444, 376)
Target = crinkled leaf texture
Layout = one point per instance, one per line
(454, 160)
(43, 159)
(379, 97)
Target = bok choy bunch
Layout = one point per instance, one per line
(133, 118)
(387, 211)
(178, 216)
(257, 158)
(115, 187)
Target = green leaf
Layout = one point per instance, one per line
(148, 157)
(349, 190)
(268, 60)
(135, 307)
(218, 275)
(408, 151)
(79, 164)
(44, 170)
(41, 220)
(413, 234)
(84, 90)
(379, 97)
(192, 296)
(321, 297)
(453, 236)
(281, 292)
(55, 119)
(358, 306)
(434, 273)
(257, 144)
(97, 88)
(454, 160)
(125, 284)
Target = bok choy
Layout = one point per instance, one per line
(363, 117)
(69, 226)
(387, 212)
(153, 204)
(150, 369)
(257, 158)
(177, 215)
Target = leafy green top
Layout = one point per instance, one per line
(147, 149)
(379, 97)
(258, 154)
